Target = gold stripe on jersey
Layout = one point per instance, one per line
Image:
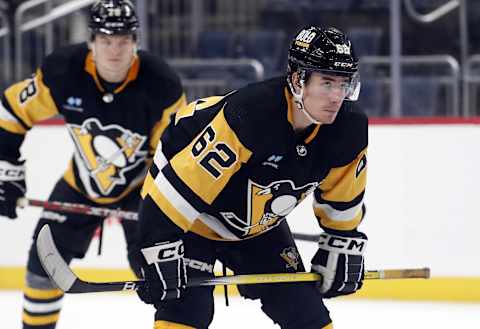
(132, 73)
(343, 184)
(151, 189)
(41, 293)
(10, 123)
(31, 100)
(34, 320)
(160, 324)
(12, 127)
(190, 170)
(328, 326)
(199, 104)
(205, 231)
(160, 126)
(69, 177)
(313, 134)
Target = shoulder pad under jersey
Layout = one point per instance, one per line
(349, 135)
(64, 62)
(159, 78)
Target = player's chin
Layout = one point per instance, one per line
(117, 64)
(327, 117)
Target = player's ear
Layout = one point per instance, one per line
(91, 46)
(296, 80)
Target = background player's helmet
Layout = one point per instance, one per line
(326, 50)
(113, 17)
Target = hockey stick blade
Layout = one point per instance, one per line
(61, 274)
(64, 278)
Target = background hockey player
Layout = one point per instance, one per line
(116, 102)
(229, 169)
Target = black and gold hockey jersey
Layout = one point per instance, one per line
(232, 167)
(114, 133)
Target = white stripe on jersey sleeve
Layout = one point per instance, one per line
(159, 158)
(338, 215)
(7, 116)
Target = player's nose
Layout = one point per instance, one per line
(115, 49)
(336, 95)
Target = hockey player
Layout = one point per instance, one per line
(116, 102)
(229, 169)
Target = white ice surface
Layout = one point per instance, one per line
(113, 310)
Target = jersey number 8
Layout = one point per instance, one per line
(217, 158)
(27, 92)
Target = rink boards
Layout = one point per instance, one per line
(421, 200)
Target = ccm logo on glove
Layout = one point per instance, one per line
(343, 244)
(164, 252)
(10, 172)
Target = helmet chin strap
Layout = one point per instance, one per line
(298, 100)
(92, 48)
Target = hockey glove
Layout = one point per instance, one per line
(164, 272)
(339, 259)
(12, 186)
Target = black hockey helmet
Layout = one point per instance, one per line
(327, 50)
(322, 49)
(113, 17)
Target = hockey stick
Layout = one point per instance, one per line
(78, 208)
(61, 274)
(306, 237)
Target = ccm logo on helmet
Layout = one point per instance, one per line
(342, 64)
(342, 243)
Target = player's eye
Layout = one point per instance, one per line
(345, 86)
(124, 42)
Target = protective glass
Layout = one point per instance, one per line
(349, 89)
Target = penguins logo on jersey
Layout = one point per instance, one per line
(267, 204)
(291, 256)
(107, 152)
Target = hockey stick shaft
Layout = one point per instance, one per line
(306, 237)
(81, 286)
(77, 208)
(66, 280)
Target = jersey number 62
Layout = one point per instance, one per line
(220, 156)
